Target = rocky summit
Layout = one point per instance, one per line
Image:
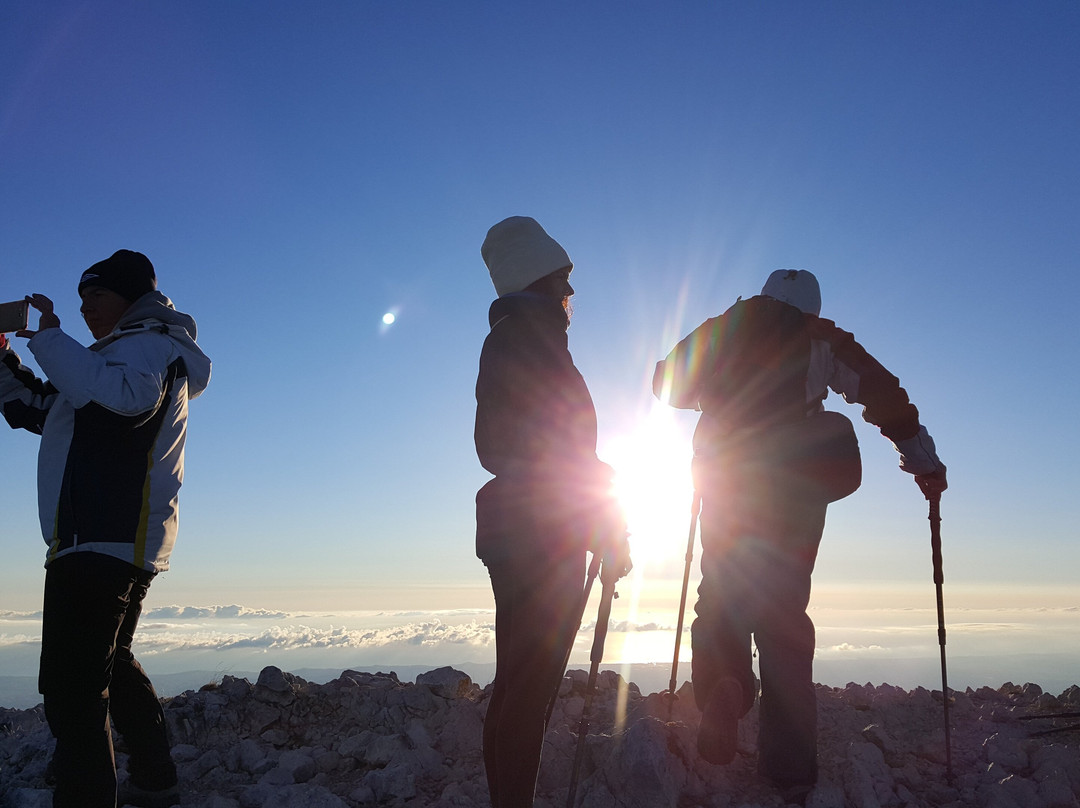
(368, 739)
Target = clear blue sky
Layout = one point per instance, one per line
(295, 170)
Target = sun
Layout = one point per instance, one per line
(653, 484)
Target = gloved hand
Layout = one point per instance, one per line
(932, 484)
(616, 563)
(610, 540)
(918, 455)
(607, 533)
(3, 342)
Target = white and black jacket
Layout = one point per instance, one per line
(113, 423)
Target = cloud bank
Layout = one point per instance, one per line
(427, 634)
(210, 612)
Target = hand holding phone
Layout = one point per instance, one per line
(13, 316)
(47, 320)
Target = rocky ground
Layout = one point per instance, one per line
(370, 740)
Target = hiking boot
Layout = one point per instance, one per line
(718, 733)
(130, 794)
(794, 793)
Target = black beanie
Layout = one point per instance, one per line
(129, 274)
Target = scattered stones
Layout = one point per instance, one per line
(447, 682)
(367, 739)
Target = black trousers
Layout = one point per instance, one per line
(537, 609)
(760, 532)
(92, 606)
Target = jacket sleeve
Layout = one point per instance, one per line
(678, 379)
(25, 399)
(127, 379)
(861, 379)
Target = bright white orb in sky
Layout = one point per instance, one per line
(388, 318)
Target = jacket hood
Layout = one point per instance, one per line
(530, 304)
(155, 312)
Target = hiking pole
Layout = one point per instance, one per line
(595, 657)
(594, 570)
(695, 509)
(1051, 717)
(939, 579)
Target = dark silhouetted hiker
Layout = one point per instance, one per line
(550, 501)
(113, 421)
(767, 461)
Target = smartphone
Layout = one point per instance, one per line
(13, 316)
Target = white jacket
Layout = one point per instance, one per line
(113, 422)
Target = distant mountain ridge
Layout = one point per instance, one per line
(1056, 673)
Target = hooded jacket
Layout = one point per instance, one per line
(536, 431)
(113, 424)
(534, 414)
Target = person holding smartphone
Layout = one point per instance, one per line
(112, 419)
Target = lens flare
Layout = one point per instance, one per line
(653, 484)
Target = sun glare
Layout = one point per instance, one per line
(389, 319)
(652, 481)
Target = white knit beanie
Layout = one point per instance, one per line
(795, 286)
(518, 252)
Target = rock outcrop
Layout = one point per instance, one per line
(367, 739)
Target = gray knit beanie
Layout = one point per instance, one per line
(518, 252)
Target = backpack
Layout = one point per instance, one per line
(755, 412)
(762, 360)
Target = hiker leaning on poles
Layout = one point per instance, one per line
(113, 422)
(768, 459)
(549, 504)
